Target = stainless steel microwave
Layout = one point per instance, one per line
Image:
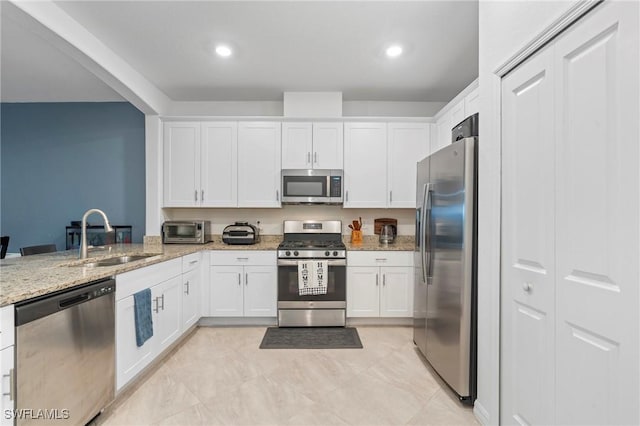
(313, 186)
(186, 232)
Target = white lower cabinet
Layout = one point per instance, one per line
(191, 289)
(243, 284)
(379, 284)
(166, 283)
(7, 364)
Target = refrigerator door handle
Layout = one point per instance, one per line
(426, 189)
(427, 229)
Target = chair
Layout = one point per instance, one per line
(4, 245)
(44, 248)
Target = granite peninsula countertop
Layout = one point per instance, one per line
(23, 278)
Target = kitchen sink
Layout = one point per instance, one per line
(113, 261)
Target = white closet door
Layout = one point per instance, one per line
(598, 215)
(528, 243)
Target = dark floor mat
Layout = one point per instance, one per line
(311, 338)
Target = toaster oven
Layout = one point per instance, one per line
(186, 232)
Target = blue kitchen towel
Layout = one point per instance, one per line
(144, 322)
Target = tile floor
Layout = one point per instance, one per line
(219, 376)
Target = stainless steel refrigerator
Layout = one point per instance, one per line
(445, 260)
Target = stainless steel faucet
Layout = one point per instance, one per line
(83, 242)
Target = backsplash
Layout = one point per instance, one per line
(271, 219)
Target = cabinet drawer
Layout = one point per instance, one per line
(380, 258)
(191, 262)
(139, 279)
(243, 257)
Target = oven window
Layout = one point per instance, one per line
(181, 231)
(288, 285)
(305, 186)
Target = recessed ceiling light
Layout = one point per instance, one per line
(223, 50)
(394, 50)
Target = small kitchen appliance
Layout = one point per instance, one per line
(388, 234)
(186, 232)
(241, 233)
(308, 241)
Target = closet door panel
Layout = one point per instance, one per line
(528, 243)
(598, 187)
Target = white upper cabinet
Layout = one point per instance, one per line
(472, 102)
(380, 163)
(407, 144)
(458, 114)
(181, 164)
(200, 164)
(219, 164)
(365, 165)
(259, 164)
(453, 113)
(312, 145)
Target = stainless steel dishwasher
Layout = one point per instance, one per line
(65, 355)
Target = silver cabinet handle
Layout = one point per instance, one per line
(346, 196)
(195, 194)
(12, 385)
(391, 196)
(187, 285)
(202, 195)
(527, 287)
(384, 279)
(242, 259)
(277, 195)
(315, 158)
(381, 259)
(376, 280)
(162, 297)
(239, 278)
(155, 309)
(308, 157)
(246, 279)
(193, 262)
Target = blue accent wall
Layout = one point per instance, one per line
(60, 159)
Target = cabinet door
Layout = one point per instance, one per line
(444, 132)
(260, 291)
(259, 164)
(219, 165)
(226, 291)
(396, 294)
(457, 115)
(7, 375)
(190, 298)
(297, 146)
(365, 165)
(131, 359)
(181, 164)
(168, 321)
(472, 102)
(328, 146)
(363, 291)
(408, 144)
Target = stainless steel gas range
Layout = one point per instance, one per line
(316, 243)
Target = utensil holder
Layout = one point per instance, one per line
(356, 237)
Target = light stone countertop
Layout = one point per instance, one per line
(371, 243)
(23, 278)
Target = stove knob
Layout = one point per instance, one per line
(326, 253)
(295, 253)
(287, 253)
(335, 253)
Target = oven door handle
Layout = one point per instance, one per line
(331, 262)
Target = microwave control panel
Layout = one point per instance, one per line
(336, 186)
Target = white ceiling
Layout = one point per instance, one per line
(278, 47)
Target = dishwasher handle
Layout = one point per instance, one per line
(71, 301)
